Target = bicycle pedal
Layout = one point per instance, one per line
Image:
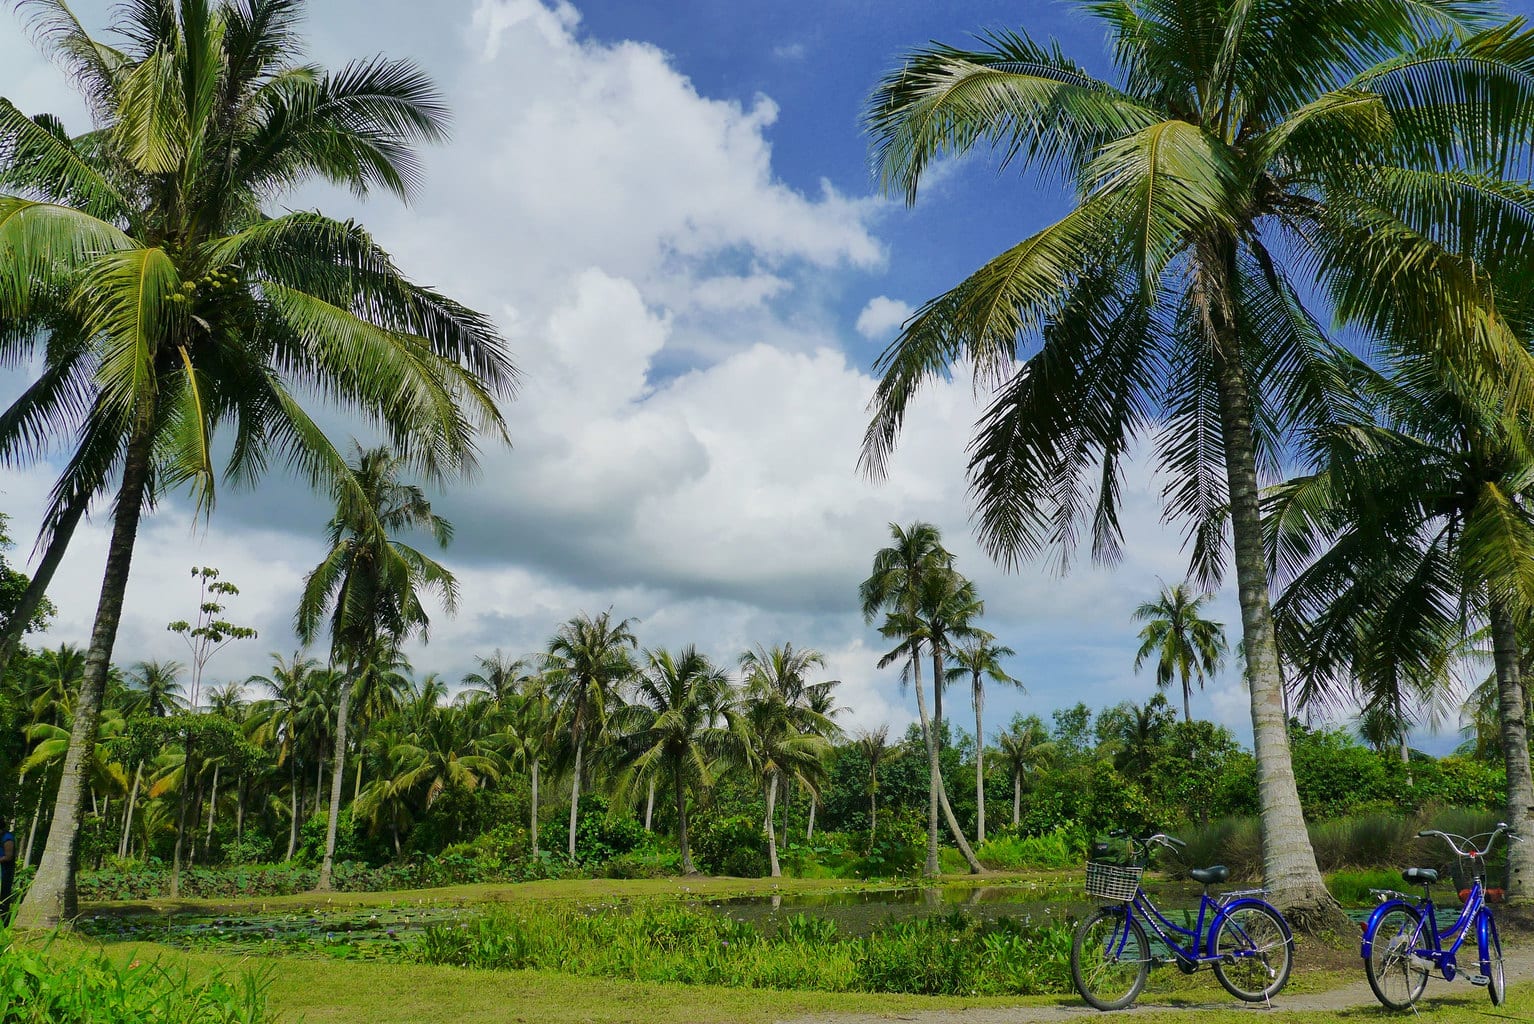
(1478, 980)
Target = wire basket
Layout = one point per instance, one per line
(1117, 882)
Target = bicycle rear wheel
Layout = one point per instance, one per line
(1110, 958)
(1256, 952)
(1396, 974)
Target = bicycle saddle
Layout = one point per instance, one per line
(1210, 876)
(1420, 876)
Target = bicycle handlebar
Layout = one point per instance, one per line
(1502, 829)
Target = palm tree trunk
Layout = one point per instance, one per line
(1017, 798)
(533, 811)
(1515, 753)
(873, 812)
(337, 780)
(772, 835)
(681, 824)
(37, 588)
(979, 762)
(52, 899)
(649, 805)
(1289, 860)
(37, 813)
(809, 831)
(1187, 700)
(122, 844)
(293, 807)
(357, 782)
(933, 867)
(239, 811)
(212, 806)
(575, 792)
(975, 866)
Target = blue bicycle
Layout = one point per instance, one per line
(1402, 941)
(1242, 937)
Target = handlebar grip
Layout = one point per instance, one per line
(1176, 842)
(1426, 835)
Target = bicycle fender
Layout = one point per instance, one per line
(1224, 912)
(1373, 923)
(1485, 929)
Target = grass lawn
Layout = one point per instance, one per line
(345, 992)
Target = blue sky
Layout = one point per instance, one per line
(668, 208)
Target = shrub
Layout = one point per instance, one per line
(600, 834)
(1351, 888)
(898, 849)
(47, 988)
(1007, 850)
(735, 846)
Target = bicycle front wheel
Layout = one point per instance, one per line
(1110, 958)
(1496, 980)
(1256, 952)
(1396, 974)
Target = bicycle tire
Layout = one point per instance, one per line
(1096, 960)
(1496, 978)
(1260, 948)
(1397, 981)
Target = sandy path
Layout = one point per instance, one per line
(1519, 967)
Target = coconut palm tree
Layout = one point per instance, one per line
(500, 678)
(368, 589)
(1022, 748)
(138, 261)
(1412, 534)
(1187, 647)
(155, 689)
(876, 749)
(900, 584)
(673, 729)
(588, 659)
(776, 733)
(281, 718)
(980, 658)
(1234, 146)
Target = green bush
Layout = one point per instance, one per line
(899, 848)
(947, 955)
(49, 988)
(600, 834)
(1007, 850)
(1351, 888)
(734, 846)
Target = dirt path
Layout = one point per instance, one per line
(1519, 968)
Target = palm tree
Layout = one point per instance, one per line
(588, 659)
(672, 731)
(369, 589)
(914, 582)
(775, 731)
(1022, 748)
(876, 748)
(281, 721)
(137, 262)
(979, 658)
(155, 689)
(1236, 145)
(500, 678)
(1414, 532)
(448, 754)
(526, 736)
(1187, 647)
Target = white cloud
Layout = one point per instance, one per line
(882, 316)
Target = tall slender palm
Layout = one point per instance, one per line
(776, 732)
(1235, 146)
(368, 589)
(896, 586)
(1413, 532)
(980, 658)
(449, 753)
(382, 677)
(138, 262)
(155, 689)
(671, 730)
(588, 659)
(527, 724)
(1022, 748)
(1188, 648)
(876, 749)
(500, 677)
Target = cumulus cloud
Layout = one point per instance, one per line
(882, 316)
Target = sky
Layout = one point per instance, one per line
(668, 210)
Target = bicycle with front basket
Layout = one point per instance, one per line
(1403, 944)
(1241, 936)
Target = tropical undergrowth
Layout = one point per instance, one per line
(942, 955)
(45, 986)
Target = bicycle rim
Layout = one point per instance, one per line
(1496, 984)
(1396, 974)
(1256, 953)
(1110, 958)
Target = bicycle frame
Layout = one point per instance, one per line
(1200, 948)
